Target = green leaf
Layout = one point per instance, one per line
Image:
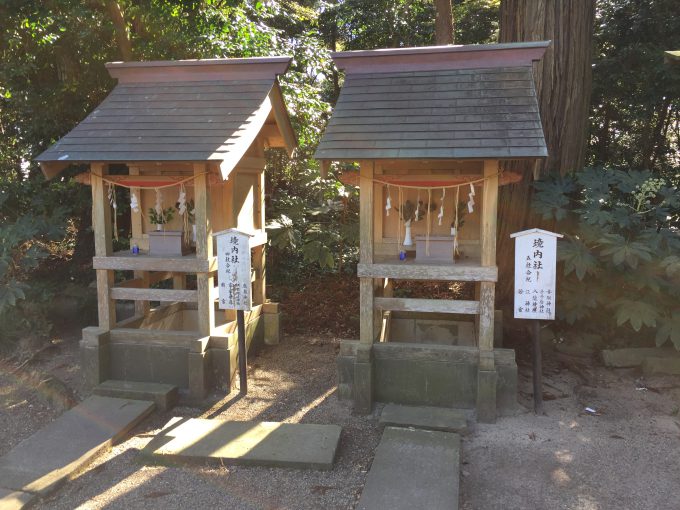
(577, 257)
(636, 313)
(624, 251)
(669, 329)
(671, 264)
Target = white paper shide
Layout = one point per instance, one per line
(233, 270)
(535, 271)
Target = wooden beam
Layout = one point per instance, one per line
(101, 213)
(128, 262)
(103, 245)
(427, 305)
(272, 136)
(366, 213)
(106, 308)
(486, 317)
(366, 288)
(165, 295)
(282, 119)
(204, 250)
(153, 336)
(453, 272)
(489, 213)
(51, 170)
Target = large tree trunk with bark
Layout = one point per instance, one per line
(443, 22)
(563, 84)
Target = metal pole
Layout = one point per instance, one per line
(242, 354)
(538, 368)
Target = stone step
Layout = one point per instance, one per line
(41, 462)
(430, 418)
(273, 444)
(413, 469)
(163, 395)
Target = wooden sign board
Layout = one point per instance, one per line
(233, 270)
(535, 274)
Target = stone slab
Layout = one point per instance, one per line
(633, 357)
(163, 395)
(46, 459)
(413, 469)
(429, 418)
(669, 366)
(15, 500)
(273, 444)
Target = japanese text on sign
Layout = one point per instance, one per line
(233, 270)
(535, 261)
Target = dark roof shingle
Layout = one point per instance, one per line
(447, 113)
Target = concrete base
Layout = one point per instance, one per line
(430, 375)
(163, 395)
(195, 365)
(428, 418)
(292, 445)
(413, 469)
(46, 459)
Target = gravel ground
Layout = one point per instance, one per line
(626, 457)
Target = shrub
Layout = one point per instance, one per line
(620, 256)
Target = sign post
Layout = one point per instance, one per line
(235, 291)
(535, 277)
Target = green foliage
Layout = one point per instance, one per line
(161, 217)
(634, 106)
(620, 268)
(34, 233)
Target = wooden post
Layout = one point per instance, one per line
(103, 245)
(142, 308)
(486, 375)
(366, 332)
(537, 368)
(204, 249)
(488, 254)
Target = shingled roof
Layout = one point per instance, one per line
(442, 102)
(185, 110)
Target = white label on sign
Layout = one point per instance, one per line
(535, 261)
(233, 271)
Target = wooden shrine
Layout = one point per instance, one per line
(429, 129)
(184, 142)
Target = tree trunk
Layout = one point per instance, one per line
(563, 85)
(443, 22)
(120, 28)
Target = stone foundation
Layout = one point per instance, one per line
(428, 375)
(183, 359)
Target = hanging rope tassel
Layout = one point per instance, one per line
(112, 201)
(471, 201)
(427, 239)
(418, 207)
(455, 225)
(388, 204)
(134, 203)
(440, 216)
(401, 212)
(182, 211)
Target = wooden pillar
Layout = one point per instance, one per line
(363, 363)
(142, 308)
(366, 289)
(488, 255)
(103, 245)
(204, 249)
(486, 375)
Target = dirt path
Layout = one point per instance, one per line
(628, 457)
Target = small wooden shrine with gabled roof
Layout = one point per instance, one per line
(186, 139)
(429, 128)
